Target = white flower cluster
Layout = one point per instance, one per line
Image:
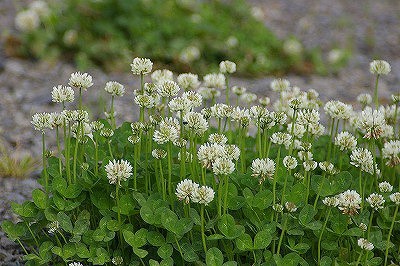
(187, 190)
(263, 168)
(29, 20)
(349, 202)
(117, 171)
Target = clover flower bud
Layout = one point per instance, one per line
(363, 227)
(53, 227)
(227, 67)
(365, 244)
(290, 206)
(290, 162)
(277, 207)
(80, 80)
(118, 260)
(141, 66)
(117, 171)
(114, 88)
(379, 67)
(203, 195)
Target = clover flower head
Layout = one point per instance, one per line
(62, 94)
(327, 167)
(106, 132)
(96, 125)
(118, 170)
(214, 80)
(227, 67)
(114, 88)
(379, 67)
(338, 110)
(209, 152)
(158, 76)
(42, 121)
(203, 195)
(371, 122)
(232, 152)
(238, 90)
(218, 138)
(290, 162)
(264, 101)
(391, 152)
(168, 88)
(290, 206)
(168, 131)
(185, 190)
(331, 201)
(365, 99)
(395, 197)
(280, 85)
(363, 227)
(189, 54)
(27, 20)
(308, 117)
(258, 112)
(385, 187)
(305, 155)
(223, 166)
(195, 99)
(277, 207)
(221, 110)
(376, 201)
(349, 202)
(159, 154)
(134, 139)
(362, 158)
(145, 101)
(237, 114)
(195, 122)
(248, 97)
(53, 227)
(365, 244)
(80, 80)
(75, 264)
(58, 119)
(263, 168)
(40, 7)
(281, 138)
(309, 165)
(118, 260)
(179, 104)
(345, 141)
(188, 81)
(141, 66)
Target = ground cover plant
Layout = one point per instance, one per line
(195, 181)
(188, 35)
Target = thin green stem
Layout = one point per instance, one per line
(44, 161)
(376, 100)
(203, 236)
(320, 235)
(276, 173)
(226, 181)
(59, 150)
(390, 233)
(370, 223)
(281, 237)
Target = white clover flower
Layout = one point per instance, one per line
(80, 80)
(227, 67)
(203, 195)
(365, 244)
(70, 115)
(248, 97)
(134, 139)
(298, 130)
(280, 85)
(53, 227)
(263, 168)
(238, 90)
(277, 207)
(189, 54)
(362, 158)
(145, 101)
(75, 264)
(385, 187)
(179, 104)
(281, 138)
(195, 122)
(395, 197)
(27, 21)
(338, 110)
(232, 152)
(264, 101)
(387, 131)
(305, 155)
(195, 99)
(214, 80)
(391, 152)
(40, 7)
(188, 81)
(168, 88)
(160, 76)
(349, 202)
(292, 47)
(159, 154)
(208, 153)
(141, 66)
(58, 119)
(106, 132)
(118, 171)
(290, 162)
(308, 117)
(62, 94)
(209, 93)
(371, 122)
(114, 88)
(363, 227)
(376, 201)
(379, 67)
(221, 110)
(327, 167)
(42, 121)
(82, 116)
(218, 138)
(309, 165)
(185, 190)
(258, 112)
(238, 114)
(331, 201)
(150, 88)
(345, 141)
(364, 99)
(168, 131)
(118, 260)
(223, 166)
(290, 206)
(79, 132)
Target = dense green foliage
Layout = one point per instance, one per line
(185, 35)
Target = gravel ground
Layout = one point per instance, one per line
(370, 28)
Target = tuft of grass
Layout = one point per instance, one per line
(15, 163)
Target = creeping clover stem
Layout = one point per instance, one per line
(390, 233)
